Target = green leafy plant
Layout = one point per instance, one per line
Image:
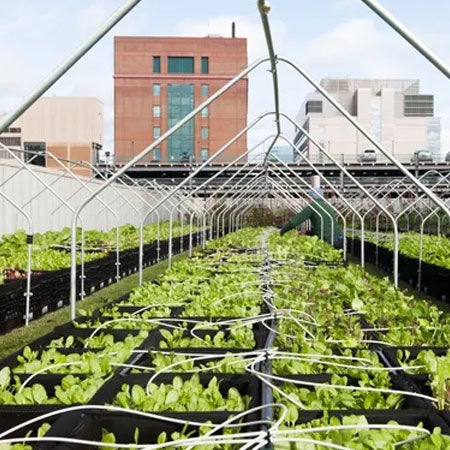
(227, 364)
(87, 362)
(325, 397)
(358, 435)
(184, 396)
(237, 337)
(71, 390)
(438, 370)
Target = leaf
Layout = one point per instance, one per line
(162, 438)
(138, 395)
(69, 341)
(122, 400)
(42, 431)
(62, 396)
(107, 437)
(5, 377)
(357, 304)
(39, 394)
(27, 352)
(172, 396)
(68, 381)
(177, 383)
(167, 335)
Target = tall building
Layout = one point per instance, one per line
(67, 127)
(394, 112)
(158, 80)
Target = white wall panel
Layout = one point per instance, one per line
(50, 213)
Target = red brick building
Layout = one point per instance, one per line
(158, 80)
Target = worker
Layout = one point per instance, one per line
(321, 214)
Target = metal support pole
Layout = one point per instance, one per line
(68, 63)
(408, 36)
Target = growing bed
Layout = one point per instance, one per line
(257, 340)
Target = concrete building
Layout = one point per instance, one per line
(158, 80)
(394, 112)
(67, 127)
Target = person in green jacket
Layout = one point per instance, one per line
(321, 214)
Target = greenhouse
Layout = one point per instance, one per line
(199, 313)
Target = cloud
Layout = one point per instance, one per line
(346, 41)
(365, 48)
(346, 4)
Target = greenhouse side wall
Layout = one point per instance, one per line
(47, 212)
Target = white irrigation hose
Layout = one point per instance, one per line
(145, 308)
(351, 427)
(197, 359)
(262, 376)
(364, 427)
(236, 294)
(189, 442)
(311, 441)
(318, 360)
(395, 328)
(103, 408)
(238, 416)
(157, 321)
(45, 369)
(312, 337)
(235, 324)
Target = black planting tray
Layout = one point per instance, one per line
(245, 384)
(12, 362)
(398, 383)
(412, 417)
(391, 352)
(12, 415)
(152, 342)
(89, 424)
(79, 334)
(209, 354)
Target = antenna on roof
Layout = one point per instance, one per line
(233, 29)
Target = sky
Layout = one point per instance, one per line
(326, 38)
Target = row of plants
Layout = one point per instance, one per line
(51, 250)
(210, 319)
(435, 248)
(98, 351)
(333, 324)
(343, 295)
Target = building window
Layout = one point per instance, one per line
(205, 132)
(156, 154)
(180, 102)
(13, 130)
(180, 64)
(156, 111)
(205, 112)
(157, 64)
(10, 141)
(313, 106)
(418, 106)
(205, 64)
(156, 132)
(205, 90)
(34, 153)
(156, 89)
(204, 154)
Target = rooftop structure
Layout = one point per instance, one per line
(396, 114)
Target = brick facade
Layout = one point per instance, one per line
(134, 78)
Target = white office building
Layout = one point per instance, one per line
(393, 111)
